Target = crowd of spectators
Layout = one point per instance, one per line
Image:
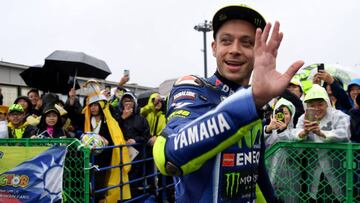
(326, 113)
(329, 114)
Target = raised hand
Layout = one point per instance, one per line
(268, 83)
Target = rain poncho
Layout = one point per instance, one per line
(335, 126)
(156, 119)
(281, 168)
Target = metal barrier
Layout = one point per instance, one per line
(78, 168)
(306, 171)
(147, 181)
(76, 177)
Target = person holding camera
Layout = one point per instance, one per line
(354, 93)
(334, 88)
(282, 168)
(322, 123)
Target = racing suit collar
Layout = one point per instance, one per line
(231, 84)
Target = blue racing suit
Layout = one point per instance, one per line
(213, 143)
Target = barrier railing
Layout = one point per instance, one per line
(147, 179)
(78, 171)
(76, 185)
(306, 172)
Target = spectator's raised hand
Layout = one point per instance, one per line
(72, 96)
(272, 125)
(280, 125)
(325, 76)
(124, 80)
(266, 81)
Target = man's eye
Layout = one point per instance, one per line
(225, 41)
(247, 43)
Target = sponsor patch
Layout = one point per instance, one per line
(188, 80)
(184, 95)
(180, 105)
(228, 160)
(179, 114)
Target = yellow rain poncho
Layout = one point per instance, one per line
(113, 175)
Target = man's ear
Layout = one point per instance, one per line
(213, 47)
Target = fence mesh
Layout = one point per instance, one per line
(318, 172)
(76, 184)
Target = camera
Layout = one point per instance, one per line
(279, 114)
(320, 67)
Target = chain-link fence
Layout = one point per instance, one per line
(315, 172)
(76, 185)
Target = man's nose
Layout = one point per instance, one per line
(235, 48)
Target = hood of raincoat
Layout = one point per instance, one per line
(290, 106)
(132, 96)
(317, 92)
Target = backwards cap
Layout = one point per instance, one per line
(240, 12)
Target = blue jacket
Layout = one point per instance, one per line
(213, 142)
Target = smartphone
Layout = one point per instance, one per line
(310, 114)
(320, 67)
(126, 72)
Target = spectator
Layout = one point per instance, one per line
(17, 126)
(334, 87)
(354, 89)
(154, 112)
(295, 87)
(50, 125)
(354, 92)
(1, 97)
(65, 120)
(3, 122)
(322, 123)
(36, 101)
(97, 118)
(136, 132)
(155, 115)
(25, 102)
(215, 123)
(293, 96)
(281, 123)
(119, 91)
(282, 170)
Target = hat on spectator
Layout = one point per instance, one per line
(317, 92)
(239, 12)
(4, 109)
(16, 108)
(354, 82)
(297, 82)
(92, 88)
(51, 108)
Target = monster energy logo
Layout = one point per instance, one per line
(234, 182)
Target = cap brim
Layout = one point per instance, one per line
(240, 12)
